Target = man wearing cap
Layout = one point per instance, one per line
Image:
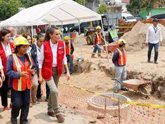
(153, 39)
(97, 42)
(119, 60)
(69, 53)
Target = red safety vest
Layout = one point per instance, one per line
(3, 56)
(48, 59)
(98, 38)
(122, 57)
(22, 83)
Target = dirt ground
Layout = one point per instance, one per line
(98, 81)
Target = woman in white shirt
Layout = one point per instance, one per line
(5, 50)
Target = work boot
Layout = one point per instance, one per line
(93, 56)
(99, 55)
(52, 114)
(60, 118)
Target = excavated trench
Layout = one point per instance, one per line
(157, 83)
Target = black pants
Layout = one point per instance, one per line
(21, 101)
(4, 90)
(39, 91)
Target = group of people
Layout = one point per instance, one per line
(119, 59)
(25, 65)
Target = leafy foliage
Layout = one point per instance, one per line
(8, 8)
(102, 8)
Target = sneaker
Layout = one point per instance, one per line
(149, 61)
(60, 118)
(156, 62)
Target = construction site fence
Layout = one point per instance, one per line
(137, 113)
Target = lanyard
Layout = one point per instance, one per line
(155, 29)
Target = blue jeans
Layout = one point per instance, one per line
(156, 47)
(120, 75)
(21, 101)
(70, 62)
(97, 47)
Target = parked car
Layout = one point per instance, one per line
(128, 17)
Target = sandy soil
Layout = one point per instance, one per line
(98, 81)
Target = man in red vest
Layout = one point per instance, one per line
(51, 60)
(119, 60)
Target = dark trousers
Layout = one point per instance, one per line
(4, 90)
(39, 91)
(70, 63)
(21, 101)
(150, 47)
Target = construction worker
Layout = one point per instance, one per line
(69, 53)
(119, 60)
(6, 48)
(19, 72)
(113, 34)
(51, 60)
(97, 42)
(32, 51)
(154, 39)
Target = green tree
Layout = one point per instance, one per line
(136, 5)
(82, 2)
(9, 8)
(102, 8)
(29, 3)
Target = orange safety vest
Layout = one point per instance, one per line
(98, 38)
(22, 83)
(68, 49)
(122, 57)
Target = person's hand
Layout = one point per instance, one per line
(40, 79)
(161, 44)
(1, 82)
(2, 76)
(24, 74)
(68, 75)
(32, 71)
(146, 44)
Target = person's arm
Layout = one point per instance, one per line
(40, 62)
(1, 82)
(9, 70)
(65, 64)
(115, 57)
(161, 37)
(72, 48)
(147, 35)
(1, 70)
(13, 74)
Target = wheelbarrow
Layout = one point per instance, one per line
(136, 85)
(111, 47)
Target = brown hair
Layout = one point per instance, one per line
(50, 31)
(3, 32)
